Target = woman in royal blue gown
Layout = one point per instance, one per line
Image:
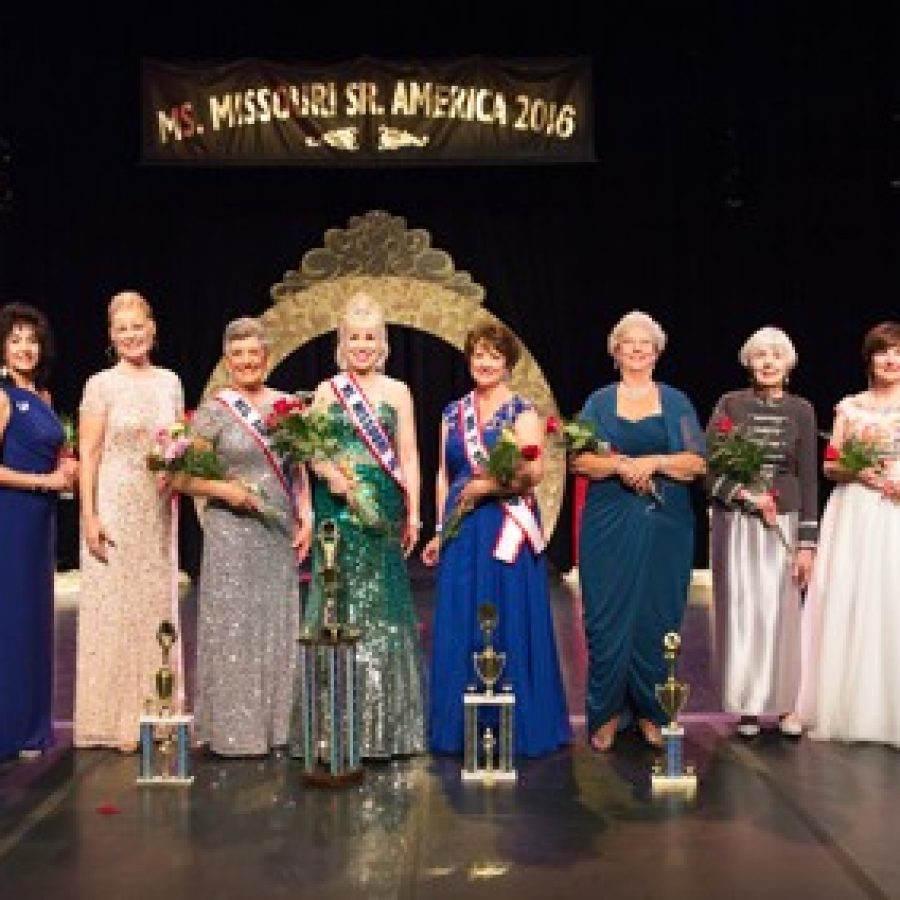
(495, 557)
(637, 533)
(32, 471)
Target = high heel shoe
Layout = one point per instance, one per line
(651, 733)
(604, 737)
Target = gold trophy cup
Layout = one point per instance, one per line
(480, 746)
(161, 724)
(671, 775)
(489, 664)
(166, 635)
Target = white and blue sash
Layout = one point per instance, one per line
(365, 422)
(248, 416)
(519, 521)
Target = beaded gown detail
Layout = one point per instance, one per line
(248, 603)
(122, 602)
(374, 593)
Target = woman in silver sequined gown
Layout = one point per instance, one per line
(248, 601)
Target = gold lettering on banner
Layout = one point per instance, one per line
(362, 99)
(419, 287)
(177, 123)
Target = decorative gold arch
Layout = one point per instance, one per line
(418, 286)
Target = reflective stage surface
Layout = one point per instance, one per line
(773, 817)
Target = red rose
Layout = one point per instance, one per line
(189, 416)
(271, 421)
(724, 425)
(531, 452)
(282, 406)
(774, 493)
(832, 454)
(552, 425)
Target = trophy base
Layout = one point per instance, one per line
(165, 780)
(487, 778)
(682, 785)
(326, 779)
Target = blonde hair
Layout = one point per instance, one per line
(765, 338)
(363, 311)
(242, 328)
(636, 319)
(129, 300)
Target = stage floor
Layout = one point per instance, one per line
(772, 818)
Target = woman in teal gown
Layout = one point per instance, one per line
(32, 471)
(637, 533)
(371, 491)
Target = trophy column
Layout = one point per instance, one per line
(672, 775)
(329, 683)
(165, 735)
(479, 746)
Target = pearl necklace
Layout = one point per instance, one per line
(634, 392)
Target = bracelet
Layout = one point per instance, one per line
(438, 528)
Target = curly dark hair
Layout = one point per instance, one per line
(879, 337)
(496, 336)
(21, 314)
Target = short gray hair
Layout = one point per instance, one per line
(764, 339)
(637, 319)
(243, 328)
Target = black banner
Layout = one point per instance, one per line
(367, 112)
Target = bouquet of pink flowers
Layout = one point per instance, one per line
(176, 451)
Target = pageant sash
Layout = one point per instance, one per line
(248, 416)
(519, 524)
(365, 423)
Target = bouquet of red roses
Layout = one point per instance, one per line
(735, 455)
(300, 431)
(577, 435)
(858, 451)
(502, 462)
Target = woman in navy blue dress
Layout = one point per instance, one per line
(32, 471)
(496, 557)
(637, 533)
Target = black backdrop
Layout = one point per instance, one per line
(747, 174)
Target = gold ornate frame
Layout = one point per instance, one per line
(419, 287)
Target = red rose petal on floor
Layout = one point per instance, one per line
(108, 809)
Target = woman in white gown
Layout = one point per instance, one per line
(851, 669)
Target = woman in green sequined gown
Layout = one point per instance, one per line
(376, 508)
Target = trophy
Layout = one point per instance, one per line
(160, 726)
(489, 665)
(671, 775)
(329, 681)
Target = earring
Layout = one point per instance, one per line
(111, 354)
(4, 372)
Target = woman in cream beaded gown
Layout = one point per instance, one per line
(850, 683)
(126, 527)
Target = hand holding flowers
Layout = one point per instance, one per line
(862, 455)
(177, 453)
(500, 467)
(735, 455)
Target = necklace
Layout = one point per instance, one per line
(627, 390)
